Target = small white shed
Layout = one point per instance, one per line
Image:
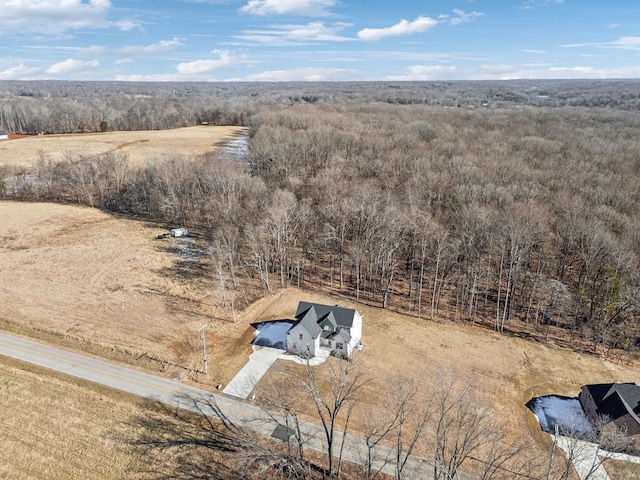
(3, 135)
(179, 232)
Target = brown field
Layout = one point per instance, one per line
(83, 277)
(54, 428)
(58, 427)
(141, 147)
(94, 282)
(505, 371)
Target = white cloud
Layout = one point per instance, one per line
(71, 65)
(513, 72)
(462, 17)
(189, 71)
(159, 77)
(305, 74)
(56, 16)
(427, 72)
(534, 51)
(295, 34)
(289, 7)
(623, 43)
(20, 72)
(614, 25)
(403, 27)
(529, 4)
(199, 67)
(151, 50)
(123, 61)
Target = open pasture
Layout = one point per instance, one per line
(140, 146)
(80, 277)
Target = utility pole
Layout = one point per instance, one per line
(204, 347)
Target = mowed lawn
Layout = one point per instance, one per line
(140, 146)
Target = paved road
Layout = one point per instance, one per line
(174, 393)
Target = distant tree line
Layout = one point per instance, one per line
(523, 219)
(32, 107)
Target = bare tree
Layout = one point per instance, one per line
(334, 398)
(462, 425)
(411, 410)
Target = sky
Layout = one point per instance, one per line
(318, 40)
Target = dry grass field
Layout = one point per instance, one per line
(94, 282)
(104, 284)
(505, 371)
(140, 147)
(58, 427)
(55, 429)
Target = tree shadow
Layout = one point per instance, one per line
(190, 259)
(184, 444)
(197, 442)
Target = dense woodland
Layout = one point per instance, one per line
(513, 205)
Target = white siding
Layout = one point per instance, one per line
(300, 341)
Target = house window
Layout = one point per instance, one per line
(327, 328)
(339, 346)
(300, 336)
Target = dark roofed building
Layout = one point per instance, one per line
(617, 403)
(334, 328)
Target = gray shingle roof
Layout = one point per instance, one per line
(309, 320)
(616, 400)
(343, 316)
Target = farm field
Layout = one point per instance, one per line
(53, 428)
(80, 278)
(140, 146)
(58, 427)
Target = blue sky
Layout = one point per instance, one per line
(318, 40)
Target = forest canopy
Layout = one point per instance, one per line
(512, 204)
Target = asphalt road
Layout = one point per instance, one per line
(174, 393)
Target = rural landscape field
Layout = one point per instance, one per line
(140, 147)
(497, 245)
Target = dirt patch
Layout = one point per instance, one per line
(140, 146)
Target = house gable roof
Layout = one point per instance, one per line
(616, 400)
(308, 319)
(342, 316)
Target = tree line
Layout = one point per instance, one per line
(524, 220)
(32, 107)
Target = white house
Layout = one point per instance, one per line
(3, 135)
(335, 328)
